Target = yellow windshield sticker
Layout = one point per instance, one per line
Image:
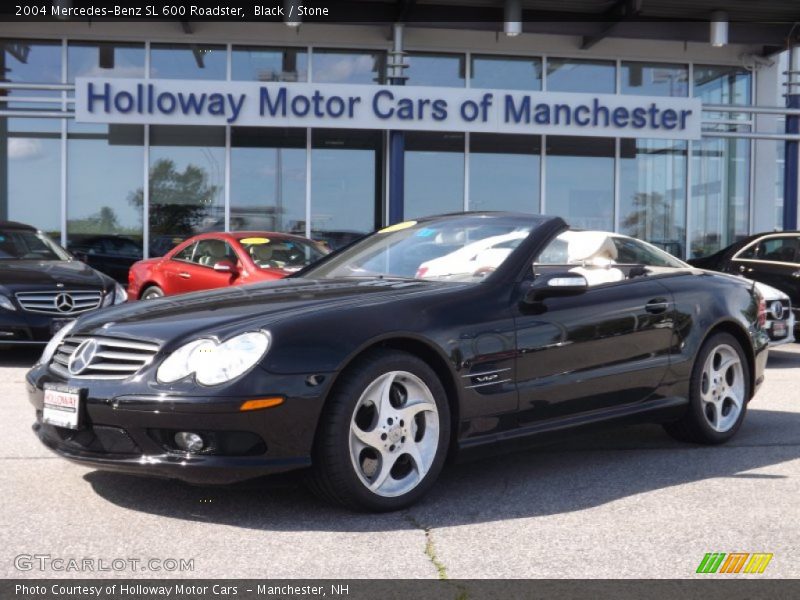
(254, 241)
(398, 227)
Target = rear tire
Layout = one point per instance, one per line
(718, 393)
(383, 435)
(152, 292)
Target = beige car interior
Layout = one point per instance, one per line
(261, 254)
(275, 255)
(596, 254)
(211, 252)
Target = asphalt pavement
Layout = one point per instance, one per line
(624, 503)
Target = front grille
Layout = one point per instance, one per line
(102, 439)
(784, 310)
(113, 358)
(58, 302)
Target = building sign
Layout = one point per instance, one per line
(179, 102)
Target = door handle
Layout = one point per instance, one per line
(184, 275)
(796, 274)
(657, 306)
(743, 269)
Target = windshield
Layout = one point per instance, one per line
(285, 254)
(23, 244)
(464, 249)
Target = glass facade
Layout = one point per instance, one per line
(155, 185)
(346, 184)
(111, 156)
(442, 70)
(509, 161)
(653, 192)
(579, 184)
(434, 173)
(268, 179)
(110, 160)
(581, 75)
(720, 186)
(654, 79)
(506, 72)
(185, 185)
(254, 63)
(30, 148)
(30, 173)
(348, 66)
(188, 61)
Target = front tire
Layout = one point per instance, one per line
(719, 392)
(152, 292)
(383, 435)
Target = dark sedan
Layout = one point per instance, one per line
(43, 287)
(424, 340)
(110, 254)
(772, 258)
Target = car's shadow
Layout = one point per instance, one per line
(582, 473)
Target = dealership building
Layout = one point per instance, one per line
(615, 115)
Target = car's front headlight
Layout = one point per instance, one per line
(212, 362)
(54, 343)
(5, 302)
(119, 296)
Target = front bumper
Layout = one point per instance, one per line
(129, 433)
(27, 328)
(788, 337)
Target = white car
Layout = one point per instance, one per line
(474, 259)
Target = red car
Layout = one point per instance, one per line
(214, 260)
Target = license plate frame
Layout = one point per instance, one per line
(779, 329)
(62, 406)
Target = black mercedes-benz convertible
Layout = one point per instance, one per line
(427, 339)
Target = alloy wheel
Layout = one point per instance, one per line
(394, 434)
(722, 388)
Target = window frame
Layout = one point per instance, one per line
(757, 242)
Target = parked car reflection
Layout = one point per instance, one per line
(109, 254)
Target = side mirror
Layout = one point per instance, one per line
(553, 285)
(225, 266)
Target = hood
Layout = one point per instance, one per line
(226, 311)
(24, 275)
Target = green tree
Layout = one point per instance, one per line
(107, 219)
(179, 200)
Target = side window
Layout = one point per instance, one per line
(211, 251)
(97, 247)
(749, 253)
(186, 253)
(632, 252)
(782, 249)
(129, 249)
(555, 253)
(627, 253)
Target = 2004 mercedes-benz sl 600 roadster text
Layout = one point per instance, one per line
(423, 340)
